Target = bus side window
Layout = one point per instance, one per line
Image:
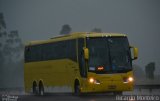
(83, 70)
(27, 54)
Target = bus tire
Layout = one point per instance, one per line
(34, 88)
(41, 88)
(77, 90)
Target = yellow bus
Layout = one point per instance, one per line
(80, 63)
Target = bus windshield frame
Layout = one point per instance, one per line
(111, 53)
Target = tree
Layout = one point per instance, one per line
(2, 22)
(11, 57)
(149, 69)
(3, 35)
(13, 48)
(98, 30)
(66, 29)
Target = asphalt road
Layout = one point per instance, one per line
(63, 97)
(21, 96)
(70, 97)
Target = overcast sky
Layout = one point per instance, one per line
(42, 19)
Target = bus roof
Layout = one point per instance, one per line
(74, 36)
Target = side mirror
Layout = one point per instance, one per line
(134, 52)
(86, 53)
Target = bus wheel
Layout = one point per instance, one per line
(77, 90)
(34, 88)
(41, 88)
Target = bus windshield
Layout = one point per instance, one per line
(111, 53)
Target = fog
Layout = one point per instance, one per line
(11, 58)
(43, 19)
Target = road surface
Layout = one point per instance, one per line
(21, 96)
(88, 97)
(63, 97)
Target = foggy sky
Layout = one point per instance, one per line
(43, 19)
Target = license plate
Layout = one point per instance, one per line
(112, 87)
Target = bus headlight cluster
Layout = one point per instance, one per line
(94, 81)
(127, 80)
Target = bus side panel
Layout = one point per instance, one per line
(54, 73)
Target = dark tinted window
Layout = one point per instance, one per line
(51, 51)
(82, 67)
(120, 54)
(112, 53)
(98, 53)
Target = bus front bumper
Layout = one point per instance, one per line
(108, 86)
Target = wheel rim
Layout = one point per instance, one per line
(77, 89)
(34, 89)
(41, 91)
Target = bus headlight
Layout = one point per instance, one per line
(130, 79)
(92, 80)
